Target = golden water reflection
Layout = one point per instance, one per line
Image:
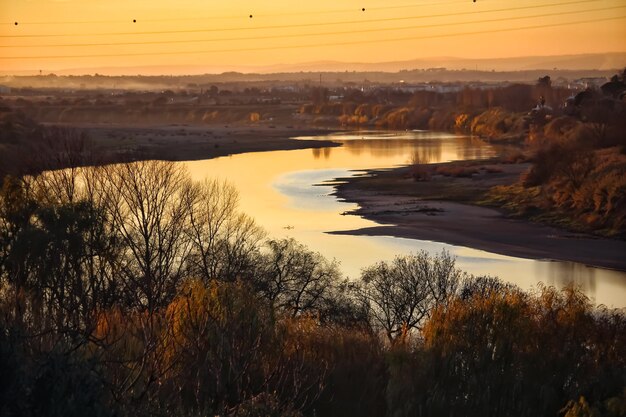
(281, 190)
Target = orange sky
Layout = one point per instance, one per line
(285, 32)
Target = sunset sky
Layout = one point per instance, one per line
(59, 34)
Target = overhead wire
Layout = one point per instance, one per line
(300, 25)
(345, 43)
(284, 36)
(240, 16)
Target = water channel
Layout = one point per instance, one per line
(289, 194)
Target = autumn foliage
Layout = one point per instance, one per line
(131, 290)
(126, 299)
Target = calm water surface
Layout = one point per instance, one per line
(288, 193)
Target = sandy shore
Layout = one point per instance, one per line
(413, 210)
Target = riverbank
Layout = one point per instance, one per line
(34, 147)
(445, 208)
(188, 142)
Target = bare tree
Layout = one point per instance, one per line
(296, 280)
(225, 241)
(146, 203)
(400, 295)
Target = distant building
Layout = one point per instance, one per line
(448, 88)
(590, 82)
(436, 87)
(285, 89)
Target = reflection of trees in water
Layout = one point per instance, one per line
(562, 274)
(431, 149)
(472, 148)
(426, 155)
(423, 150)
(321, 152)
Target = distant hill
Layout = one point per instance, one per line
(600, 61)
(564, 62)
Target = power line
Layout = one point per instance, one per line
(324, 44)
(239, 16)
(503, 19)
(291, 26)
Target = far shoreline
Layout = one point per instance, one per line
(192, 142)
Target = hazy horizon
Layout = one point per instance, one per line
(576, 62)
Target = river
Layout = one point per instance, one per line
(289, 194)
